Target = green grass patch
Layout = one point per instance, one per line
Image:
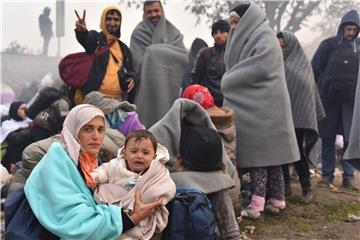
(301, 225)
(339, 210)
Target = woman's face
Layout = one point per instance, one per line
(139, 154)
(91, 135)
(234, 20)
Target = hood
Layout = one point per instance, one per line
(109, 36)
(352, 17)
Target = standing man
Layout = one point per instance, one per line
(336, 65)
(45, 25)
(160, 59)
(210, 65)
(112, 73)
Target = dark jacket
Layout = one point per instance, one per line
(321, 62)
(338, 115)
(91, 40)
(209, 69)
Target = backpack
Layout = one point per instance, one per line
(74, 69)
(190, 217)
(41, 100)
(343, 73)
(20, 221)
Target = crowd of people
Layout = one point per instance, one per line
(105, 160)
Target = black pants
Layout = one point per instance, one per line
(302, 166)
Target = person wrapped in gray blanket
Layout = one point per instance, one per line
(160, 60)
(254, 86)
(213, 181)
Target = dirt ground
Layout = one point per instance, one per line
(326, 217)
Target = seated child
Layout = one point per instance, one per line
(138, 167)
(224, 120)
(201, 150)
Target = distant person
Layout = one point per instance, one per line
(45, 25)
(112, 73)
(352, 153)
(306, 108)
(336, 66)
(160, 60)
(210, 66)
(195, 48)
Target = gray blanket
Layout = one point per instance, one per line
(160, 59)
(160, 77)
(254, 86)
(352, 153)
(306, 106)
(168, 131)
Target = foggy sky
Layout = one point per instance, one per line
(19, 22)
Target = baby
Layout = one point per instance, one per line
(138, 167)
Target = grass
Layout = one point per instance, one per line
(301, 218)
(338, 210)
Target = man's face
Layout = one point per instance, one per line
(112, 22)
(220, 37)
(350, 31)
(153, 12)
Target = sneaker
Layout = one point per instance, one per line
(349, 184)
(275, 211)
(327, 180)
(250, 214)
(307, 196)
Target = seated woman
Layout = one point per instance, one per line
(59, 189)
(214, 182)
(139, 166)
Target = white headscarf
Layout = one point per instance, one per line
(74, 121)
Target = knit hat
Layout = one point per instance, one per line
(201, 149)
(220, 25)
(199, 94)
(13, 110)
(241, 9)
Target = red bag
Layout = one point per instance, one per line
(74, 69)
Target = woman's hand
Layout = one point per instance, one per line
(141, 210)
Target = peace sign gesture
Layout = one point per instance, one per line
(80, 23)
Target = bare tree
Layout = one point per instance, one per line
(290, 15)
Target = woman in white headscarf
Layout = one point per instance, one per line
(59, 189)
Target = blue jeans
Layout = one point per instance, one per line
(329, 160)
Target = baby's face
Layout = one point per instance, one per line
(139, 154)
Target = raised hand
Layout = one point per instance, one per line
(143, 211)
(80, 22)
